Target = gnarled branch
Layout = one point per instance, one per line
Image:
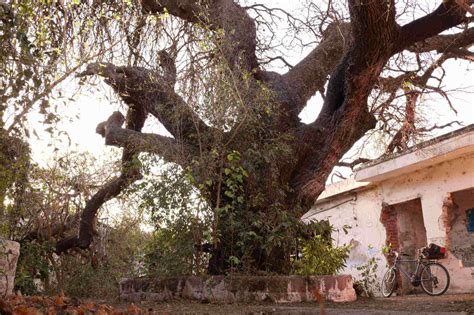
(447, 15)
(167, 148)
(239, 39)
(445, 43)
(311, 74)
(136, 117)
(154, 92)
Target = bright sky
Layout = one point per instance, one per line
(81, 116)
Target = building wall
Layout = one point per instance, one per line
(460, 240)
(431, 185)
(367, 234)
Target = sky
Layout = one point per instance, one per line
(81, 115)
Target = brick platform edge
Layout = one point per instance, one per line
(9, 252)
(227, 289)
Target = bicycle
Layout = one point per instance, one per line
(429, 274)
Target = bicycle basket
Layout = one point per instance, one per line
(433, 251)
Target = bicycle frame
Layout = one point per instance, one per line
(420, 263)
(397, 266)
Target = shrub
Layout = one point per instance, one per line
(33, 265)
(319, 255)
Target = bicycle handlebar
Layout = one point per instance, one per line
(394, 253)
(397, 254)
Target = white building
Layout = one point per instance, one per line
(421, 196)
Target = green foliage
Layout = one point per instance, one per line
(44, 42)
(242, 222)
(386, 249)
(234, 180)
(171, 252)
(95, 273)
(55, 194)
(81, 279)
(14, 169)
(180, 217)
(30, 54)
(43, 197)
(319, 255)
(368, 283)
(33, 264)
(258, 240)
(321, 258)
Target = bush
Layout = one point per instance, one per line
(172, 252)
(83, 280)
(320, 257)
(96, 272)
(33, 265)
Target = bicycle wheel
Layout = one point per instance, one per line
(434, 279)
(388, 282)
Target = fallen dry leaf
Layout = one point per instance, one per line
(38, 299)
(24, 310)
(60, 304)
(133, 309)
(86, 308)
(16, 299)
(5, 308)
(105, 309)
(59, 300)
(52, 310)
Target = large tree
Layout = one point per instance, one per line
(233, 126)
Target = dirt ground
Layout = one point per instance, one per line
(421, 304)
(410, 305)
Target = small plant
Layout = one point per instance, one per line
(368, 284)
(320, 256)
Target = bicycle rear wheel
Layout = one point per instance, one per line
(434, 279)
(388, 283)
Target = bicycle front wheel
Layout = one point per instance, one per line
(388, 283)
(434, 279)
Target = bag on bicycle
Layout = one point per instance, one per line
(433, 251)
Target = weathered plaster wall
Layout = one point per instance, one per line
(231, 289)
(461, 241)
(367, 234)
(431, 185)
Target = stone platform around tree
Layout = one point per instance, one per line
(231, 289)
(9, 252)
